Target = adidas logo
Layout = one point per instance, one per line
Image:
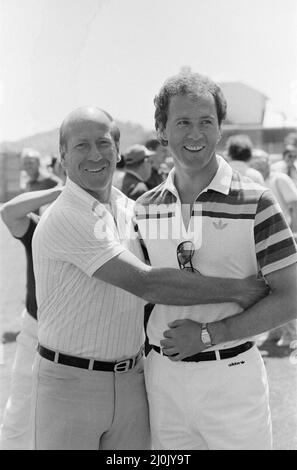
(220, 225)
(236, 363)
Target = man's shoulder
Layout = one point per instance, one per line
(245, 191)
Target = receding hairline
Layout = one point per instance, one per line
(85, 114)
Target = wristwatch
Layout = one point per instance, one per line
(205, 336)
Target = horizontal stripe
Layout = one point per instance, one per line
(229, 208)
(273, 239)
(273, 224)
(155, 216)
(266, 213)
(272, 253)
(279, 264)
(224, 215)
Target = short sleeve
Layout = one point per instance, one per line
(84, 239)
(274, 242)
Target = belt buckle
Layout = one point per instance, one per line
(124, 366)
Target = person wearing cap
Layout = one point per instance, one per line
(91, 287)
(138, 171)
(158, 160)
(206, 381)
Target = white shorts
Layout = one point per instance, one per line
(222, 405)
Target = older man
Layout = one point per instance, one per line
(213, 393)
(91, 284)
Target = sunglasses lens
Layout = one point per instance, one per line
(185, 252)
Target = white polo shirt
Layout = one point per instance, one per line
(77, 313)
(237, 228)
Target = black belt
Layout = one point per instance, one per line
(213, 355)
(91, 364)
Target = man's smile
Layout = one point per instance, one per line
(95, 170)
(194, 148)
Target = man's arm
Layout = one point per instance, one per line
(184, 336)
(175, 287)
(15, 212)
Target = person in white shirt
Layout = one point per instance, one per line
(288, 163)
(206, 382)
(239, 153)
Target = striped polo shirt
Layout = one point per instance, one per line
(237, 229)
(77, 313)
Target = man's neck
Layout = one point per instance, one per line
(190, 185)
(103, 196)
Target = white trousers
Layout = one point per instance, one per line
(15, 432)
(211, 405)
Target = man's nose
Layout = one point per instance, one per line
(195, 132)
(94, 153)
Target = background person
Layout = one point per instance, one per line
(239, 152)
(18, 216)
(285, 192)
(158, 161)
(288, 163)
(119, 174)
(37, 180)
(138, 169)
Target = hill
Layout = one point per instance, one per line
(47, 142)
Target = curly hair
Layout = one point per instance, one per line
(191, 84)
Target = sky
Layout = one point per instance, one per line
(56, 55)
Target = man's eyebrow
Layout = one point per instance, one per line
(212, 116)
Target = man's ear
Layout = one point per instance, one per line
(62, 157)
(119, 158)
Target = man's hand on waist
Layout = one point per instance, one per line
(183, 339)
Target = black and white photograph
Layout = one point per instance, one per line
(148, 227)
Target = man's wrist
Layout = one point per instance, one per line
(217, 332)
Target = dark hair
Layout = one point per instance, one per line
(152, 144)
(186, 83)
(239, 147)
(121, 163)
(115, 131)
(288, 149)
(291, 139)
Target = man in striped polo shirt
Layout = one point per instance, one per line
(211, 392)
(91, 287)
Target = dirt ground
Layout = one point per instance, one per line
(281, 363)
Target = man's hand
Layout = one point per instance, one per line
(252, 291)
(183, 339)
